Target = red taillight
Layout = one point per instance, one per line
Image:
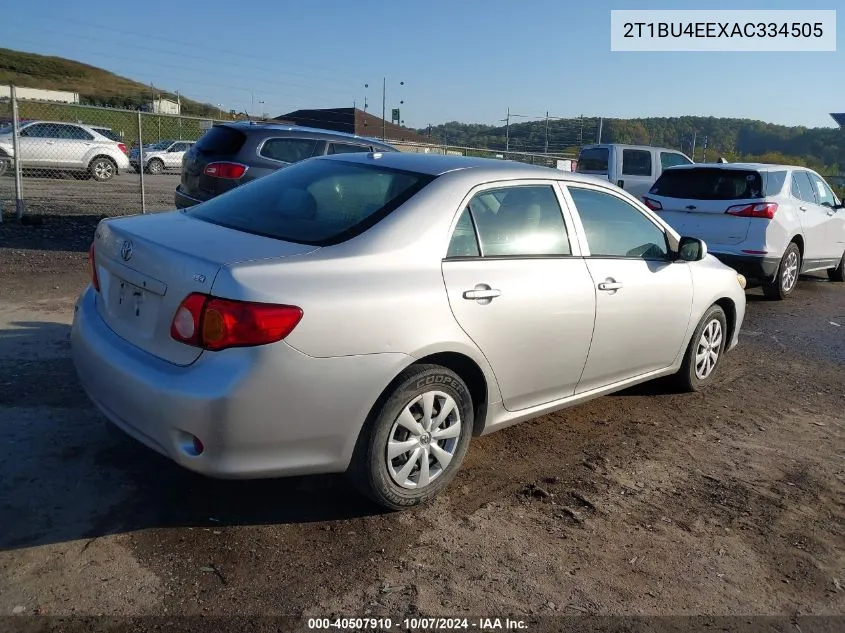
(654, 205)
(215, 324)
(95, 280)
(759, 210)
(122, 148)
(230, 171)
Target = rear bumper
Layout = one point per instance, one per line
(183, 200)
(260, 412)
(752, 266)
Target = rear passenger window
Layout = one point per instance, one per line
(463, 242)
(347, 148)
(519, 221)
(802, 188)
(615, 228)
(288, 150)
(636, 162)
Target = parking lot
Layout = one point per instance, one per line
(728, 501)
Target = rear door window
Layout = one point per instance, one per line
(347, 148)
(319, 202)
(519, 221)
(636, 162)
(802, 188)
(221, 139)
(705, 183)
(288, 150)
(593, 159)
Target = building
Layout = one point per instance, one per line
(839, 118)
(164, 106)
(37, 94)
(352, 121)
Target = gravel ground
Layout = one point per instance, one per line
(645, 503)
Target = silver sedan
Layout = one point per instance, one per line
(369, 313)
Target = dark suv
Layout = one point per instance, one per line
(231, 154)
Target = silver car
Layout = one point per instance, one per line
(65, 147)
(160, 157)
(369, 313)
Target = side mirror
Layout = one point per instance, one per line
(691, 249)
(839, 205)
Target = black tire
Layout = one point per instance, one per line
(102, 168)
(155, 166)
(786, 278)
(687, 378)
(369, 471)
(834, 274)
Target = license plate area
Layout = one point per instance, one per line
(133, 307)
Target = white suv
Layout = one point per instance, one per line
(59, 146)
(769, 222)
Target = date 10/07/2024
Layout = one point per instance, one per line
(417, 624)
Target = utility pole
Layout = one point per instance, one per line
(581, 132)
(508, 131)
(705, 149)
(546, 149)
(694, 135)
(598, 133)
(383, 108)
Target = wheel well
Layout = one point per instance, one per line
(113, 161)
(799, 242)
(730, 315)
(471, 374)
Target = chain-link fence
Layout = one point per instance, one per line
(71, 159)
(85, 160)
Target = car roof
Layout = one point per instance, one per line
(439, 164)
(625, 146)
(744, 166)
(282, 127)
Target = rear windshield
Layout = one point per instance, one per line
(221, 140)
(110, 134)
(318, 202)
(593, 159)
(709, 184)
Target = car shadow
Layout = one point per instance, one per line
(67, 474)
(50, 232)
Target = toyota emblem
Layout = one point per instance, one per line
(126, 250)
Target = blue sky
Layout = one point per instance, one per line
(465, 60)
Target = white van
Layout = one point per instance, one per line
(635, 168)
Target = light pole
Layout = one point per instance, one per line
(383, 105)
(220, 110)
(263, 114)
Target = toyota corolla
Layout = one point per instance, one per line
(370, 313)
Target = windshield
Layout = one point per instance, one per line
(707, 183)
(318, 202)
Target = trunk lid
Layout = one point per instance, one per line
(146, 266)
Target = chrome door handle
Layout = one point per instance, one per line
(610, 285)
(481, 293)
(804, 209)
(831, 213)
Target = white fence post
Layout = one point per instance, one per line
(16, 148)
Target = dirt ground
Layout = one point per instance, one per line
(727, 502)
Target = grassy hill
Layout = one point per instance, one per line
(94, 85)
